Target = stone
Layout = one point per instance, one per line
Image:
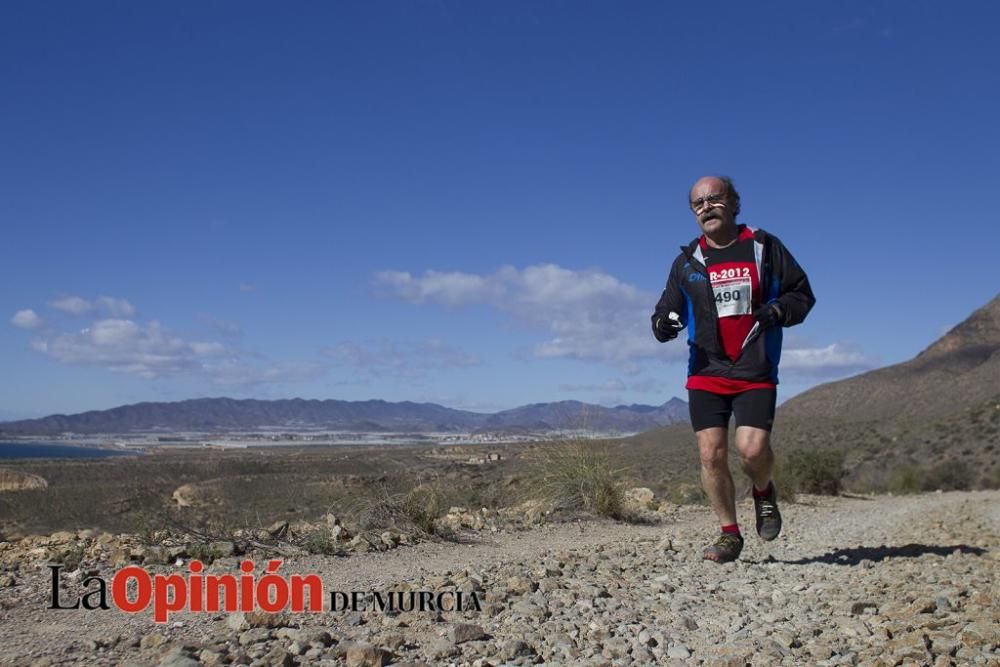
(465, 632)
(678, 652)
(858, 608)
(279, 657)
(519, 585)
(211, 658)
(178, 659)
(254, 636)
(512, 649)
(363, 654)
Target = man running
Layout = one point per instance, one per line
(734, 288)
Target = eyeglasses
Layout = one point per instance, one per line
(711, 200)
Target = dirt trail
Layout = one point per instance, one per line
(905, 580)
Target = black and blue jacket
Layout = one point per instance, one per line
(689, 294)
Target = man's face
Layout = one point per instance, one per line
(712, 207)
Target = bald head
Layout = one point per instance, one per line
(709, 185)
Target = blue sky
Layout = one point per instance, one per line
(469, 203)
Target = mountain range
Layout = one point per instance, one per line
(951, 389)
(227, 414)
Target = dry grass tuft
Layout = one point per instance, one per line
(579, 475)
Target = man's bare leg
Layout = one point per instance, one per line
(754, 446)
(756, 456)
(713, 447)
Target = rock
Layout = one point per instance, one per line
(254, 636)
(262, 619)
(178, 659)
(223, 548)
(980, 635)
(152, 640)
(465, 632)
(278, 529)
(859, 608)
(512, 649)
(279, 657)
(519, 585)
(440, 648)
(639, 498)
(615, 648)
(678, 652)
(237, 621)
(362, 654)
(211, 658)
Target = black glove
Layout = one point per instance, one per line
(769, 315)
(665, 328)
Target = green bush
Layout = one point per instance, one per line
(908, 479)
(948, 476)
(818, 471)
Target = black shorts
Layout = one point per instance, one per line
(754, 407)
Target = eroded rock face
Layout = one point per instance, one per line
(15, 480)
(184, 496)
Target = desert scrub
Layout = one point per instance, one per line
(818, 471)
(579, 475)
(908, 479)
(319, 542)
(414, 511)
(946, 476)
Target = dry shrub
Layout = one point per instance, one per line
(818, 471)
(415, 510)
(579, 475)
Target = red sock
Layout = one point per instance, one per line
(733, 528)
(762, 494)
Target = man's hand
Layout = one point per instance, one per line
(769, 315)
(666, 327)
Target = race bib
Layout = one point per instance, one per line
(732, 289)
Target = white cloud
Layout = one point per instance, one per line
(248, 287)
(452, 289)
(223, 327)
(73, 305)
(77, 306)
(649, 386)
(148, 350)
(115, 307)
(124, 346)
(834, 360)
(26, 319)
(234, 373)
(588, 314)
(608, 385)
(384, 358)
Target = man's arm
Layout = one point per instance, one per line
(671, 301)
(795, 295)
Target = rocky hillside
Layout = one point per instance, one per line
(959, 370)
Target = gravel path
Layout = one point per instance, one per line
(889, 580)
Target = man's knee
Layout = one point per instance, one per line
(753, 444)
(712, 447)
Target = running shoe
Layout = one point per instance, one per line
(768, 516)
(727, 548)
